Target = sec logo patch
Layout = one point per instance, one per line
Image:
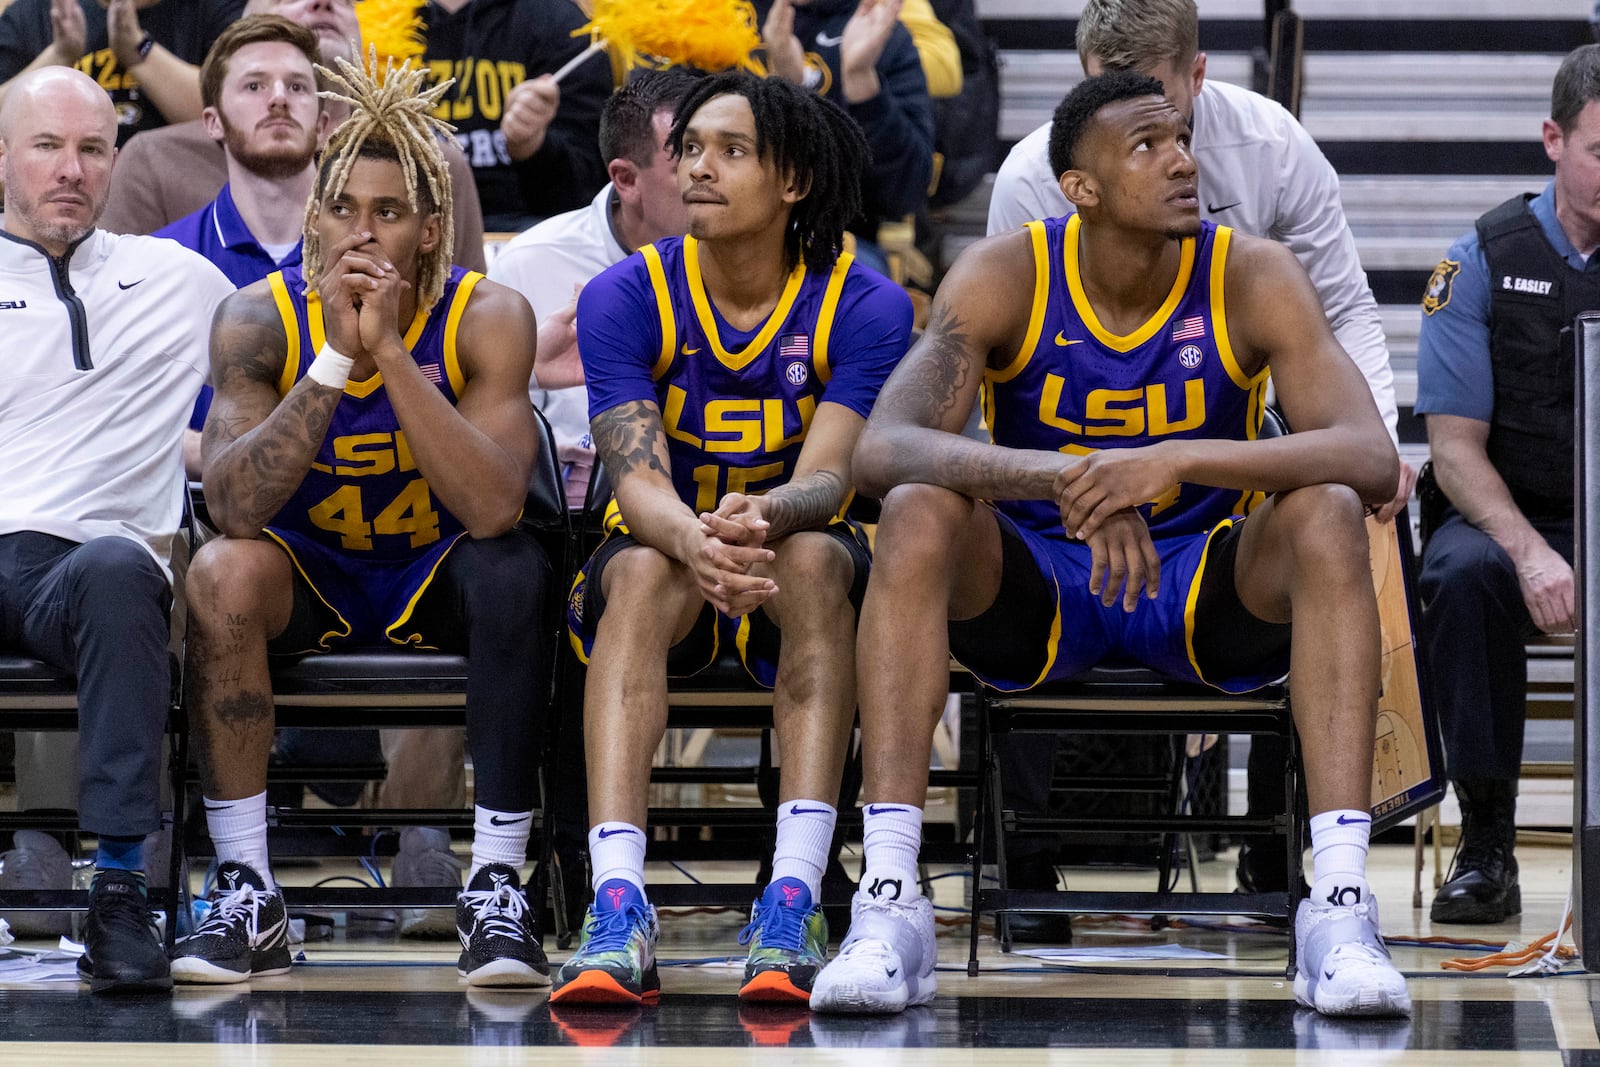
(1189, 356)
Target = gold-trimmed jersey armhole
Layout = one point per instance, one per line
(458, 307)
(830, 308)
(669, 322)
(291, 331)
(1041, 301)
(1221, 241)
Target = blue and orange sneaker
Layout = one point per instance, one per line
(788, 939)
(616, 958)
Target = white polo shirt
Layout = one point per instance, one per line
(543, 263)
(104, 354)
(1262, 174)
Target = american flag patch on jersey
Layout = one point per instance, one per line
(794, 346)
(1190, 328)
(431, 372)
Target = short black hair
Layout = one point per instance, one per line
(802, 133)
(627, 121)
(1074, 113)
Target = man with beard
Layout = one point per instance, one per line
(165, 174)
(106, 348)
(260, 91)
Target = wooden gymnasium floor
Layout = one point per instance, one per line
(381, 1001)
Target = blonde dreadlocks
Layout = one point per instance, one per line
(390, 118)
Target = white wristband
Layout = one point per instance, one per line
(330, 368)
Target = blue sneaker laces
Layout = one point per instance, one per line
(780, 926)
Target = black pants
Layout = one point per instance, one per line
(488, 601)
(100, 609)
(1475, 625)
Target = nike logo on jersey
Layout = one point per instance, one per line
(1061, 339)
(829, 42)
(689, 351)
(1214, 208)
(128, 285)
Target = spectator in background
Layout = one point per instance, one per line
(856, 53)
(549, 263)
(1259, 172)
(1495, 383)
(936, 47)
(530, 141)
(163, 175)
(144, 52)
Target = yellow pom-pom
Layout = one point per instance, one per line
(713, 35)
(394, 28)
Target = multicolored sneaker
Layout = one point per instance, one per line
(244, 935)
(616, 958)
(498, 944)
(788, 939)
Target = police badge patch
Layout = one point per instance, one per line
(1437, 294)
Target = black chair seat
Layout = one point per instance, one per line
(27, 684)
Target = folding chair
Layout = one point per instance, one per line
(395, 687)
(37, 696)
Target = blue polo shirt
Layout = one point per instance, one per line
(218, 232)
(1454, 373)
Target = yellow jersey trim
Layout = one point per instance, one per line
(708, 321)
(322, 642)
(1219, 313)
(669, 321)
(291, 330)
(366, 386)
(830, 308)
(452, 322)
(1080, 299)
(1041, 302)
(415, 639)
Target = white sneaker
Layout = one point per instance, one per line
(1342, 966)
(886, 961)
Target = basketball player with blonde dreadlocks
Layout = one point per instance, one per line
(365, 458)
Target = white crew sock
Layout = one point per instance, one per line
(1339, 856)
(892, 839)
(239, 832)
(616, 850)
(805, 831)
(499, 837)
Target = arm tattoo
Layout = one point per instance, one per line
(805, 504)
(935, 373)
(256, 458)
(629, 438)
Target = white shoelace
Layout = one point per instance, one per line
(499, 910)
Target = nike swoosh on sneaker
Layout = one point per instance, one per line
(891, 972)
(874, 809)
(613, 833)
(1327, 976)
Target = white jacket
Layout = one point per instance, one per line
(104, 354)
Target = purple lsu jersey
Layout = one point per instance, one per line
(735, 422)
(1075, 386)
(364, 528)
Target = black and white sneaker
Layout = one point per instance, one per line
(498, 946)
(244, 935)
(122, 951)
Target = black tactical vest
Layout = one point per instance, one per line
(1534, 296)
